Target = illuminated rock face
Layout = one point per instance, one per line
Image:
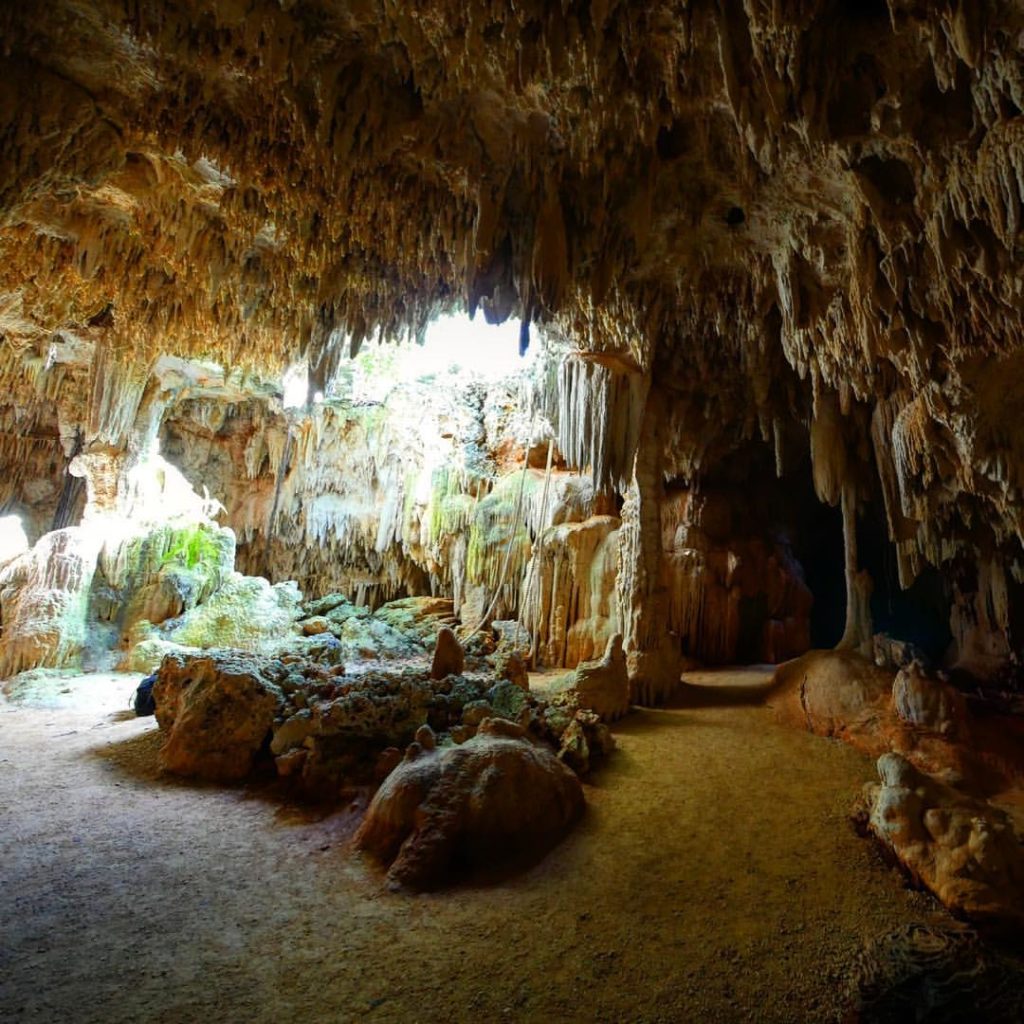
(738, 241)
(44, 595)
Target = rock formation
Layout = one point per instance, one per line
(216, 711)
(493, 799)
(962, 849)
(767, 256)
(603, 686)
(842, 695)
(449, 657)
(733, 243)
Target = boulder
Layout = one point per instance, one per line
(603, 686)
(835, 693)
(585, 739)
(493, 800)
(340, 612)
(843, 695)
(322, 606)
(449, 658)
(963, 849)
(927, 702)
(245, 612)
(365, 637)
(508, 700)
(417, 618)
(217, 710)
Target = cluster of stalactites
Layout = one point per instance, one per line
(598, 410)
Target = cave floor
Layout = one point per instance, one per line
(714, 878)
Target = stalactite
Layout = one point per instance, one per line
(598, 408)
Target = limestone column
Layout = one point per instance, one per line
(857, 634)
(652, 652)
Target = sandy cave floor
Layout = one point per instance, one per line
(714, 878)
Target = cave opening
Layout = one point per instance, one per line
(919, 614)
(819, 549)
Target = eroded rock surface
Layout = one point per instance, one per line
(964, 850)
(494, 799)
(924, 718)
(216, 711)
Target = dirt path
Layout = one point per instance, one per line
(714, 878)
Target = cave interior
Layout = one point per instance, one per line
(410, 406)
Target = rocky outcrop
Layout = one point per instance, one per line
(603, 686)
(333, 729)
(245, 612)
(923, 718)
(496, 799)
(835, 693)
(964, 850)
(926, 702)
(216, 711)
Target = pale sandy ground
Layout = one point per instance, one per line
(714, 878)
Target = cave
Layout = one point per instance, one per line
(511, 512)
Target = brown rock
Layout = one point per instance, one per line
(495, 799)
(316, 625)
(449, 658)
(842, 695)
(603, 686)
(217, 711)
(835, 693)
(964, 850)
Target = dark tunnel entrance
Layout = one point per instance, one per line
(919, 614)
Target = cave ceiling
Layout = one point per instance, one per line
(774, 206)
